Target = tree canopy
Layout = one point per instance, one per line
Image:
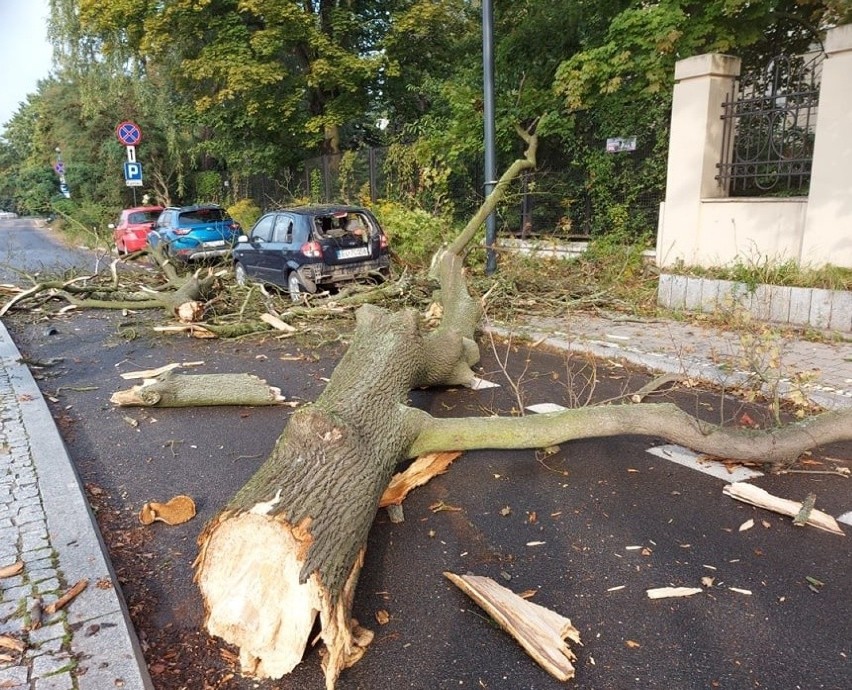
(236, 88)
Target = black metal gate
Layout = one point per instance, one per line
(768, 131)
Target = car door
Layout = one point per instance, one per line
(253, 255)
(160, 232)
(281, 248)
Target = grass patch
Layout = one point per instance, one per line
(765, 271)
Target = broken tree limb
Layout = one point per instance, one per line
(159, 371)
(193, 390)
(663, 420)
(66, 598)
(541, 632)
(654, 386)
(754, 495)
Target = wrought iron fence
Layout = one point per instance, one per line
(769, 120)
(547, 201)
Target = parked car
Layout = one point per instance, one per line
(130, 233)
(306, 247)
(188, 233)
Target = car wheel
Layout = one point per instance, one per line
(294, 287)
(120, 249)
(240, 274)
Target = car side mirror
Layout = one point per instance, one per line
(242, 238)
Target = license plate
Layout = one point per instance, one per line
(353, 253)
(214, 243)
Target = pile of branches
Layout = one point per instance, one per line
(204, 300)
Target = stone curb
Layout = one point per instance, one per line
(97, 627)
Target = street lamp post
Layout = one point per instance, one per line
(488, 115)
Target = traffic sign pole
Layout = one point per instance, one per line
(129, 134)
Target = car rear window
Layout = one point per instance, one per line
(143, 216)
(202, 215)
(342, 223)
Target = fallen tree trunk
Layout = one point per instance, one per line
(290, 545)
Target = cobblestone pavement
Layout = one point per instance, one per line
(47, 531)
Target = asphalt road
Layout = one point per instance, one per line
(566, 525)
(26, 248)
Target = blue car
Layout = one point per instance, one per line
(188, 233)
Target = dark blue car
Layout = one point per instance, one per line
(307, 247)
(188, 233)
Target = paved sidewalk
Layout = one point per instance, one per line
(45, 524)
(820, 370)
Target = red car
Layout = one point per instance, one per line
(131, 232)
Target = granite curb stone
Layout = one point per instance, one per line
(46, 523)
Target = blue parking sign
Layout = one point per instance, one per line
(133, 174)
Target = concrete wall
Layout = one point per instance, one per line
(700, 226)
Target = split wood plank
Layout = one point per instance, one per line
(417, 474)
(748, 493)
(541, 632)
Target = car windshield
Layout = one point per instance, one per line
(143, 216)
(202, 215)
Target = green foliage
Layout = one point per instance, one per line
(414, 234)
(208, 186)
(245, 212)
(316, 186)
(254, 87)
(84, 221)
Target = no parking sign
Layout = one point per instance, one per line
(128, 133)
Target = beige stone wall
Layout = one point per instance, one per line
(700, 226)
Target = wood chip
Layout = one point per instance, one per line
(540, 631)
(748, 524)
(11, 570)
(175, 511)
(12, 643)
(756, 496)
(154, 373)
(668, 592)
(418, 473)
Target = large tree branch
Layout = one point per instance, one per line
(664, 420)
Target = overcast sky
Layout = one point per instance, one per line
(25, 54)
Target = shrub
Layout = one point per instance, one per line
(414, 234)
(245, 212)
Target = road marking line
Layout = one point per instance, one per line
(687, 458)
(846, 518)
